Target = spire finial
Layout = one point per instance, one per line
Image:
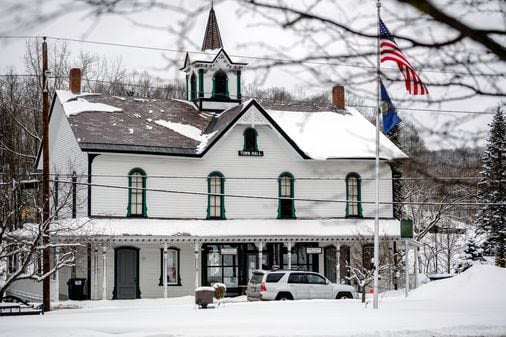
(212, 3)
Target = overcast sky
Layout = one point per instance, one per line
(241, 31)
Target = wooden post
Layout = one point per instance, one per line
(407, 268)
(95, 273)
(260, 247)
(196, 247)
(46, 289)
(289, 254)
(415, 263)
(104, 272)
(338, 262)
(165, 270)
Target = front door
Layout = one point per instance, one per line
(126, 273)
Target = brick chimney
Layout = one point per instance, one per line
(338, 97)
(75, 80)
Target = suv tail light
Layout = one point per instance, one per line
(263, 287)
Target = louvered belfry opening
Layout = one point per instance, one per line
(212, 38)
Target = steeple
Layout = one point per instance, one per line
(212, 38)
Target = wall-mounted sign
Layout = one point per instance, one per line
(228, 251)
(313, 250)
(251, 153)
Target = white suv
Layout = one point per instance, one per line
(295, 285)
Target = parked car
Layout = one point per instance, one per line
(295, 285)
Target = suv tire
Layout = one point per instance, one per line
(284, 297)
(344, 295)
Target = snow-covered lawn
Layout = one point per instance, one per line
(471, 304)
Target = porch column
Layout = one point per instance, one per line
(338, 262)
(95, 273)
(104, 272)
(289, 252)
(57, 275)
(196, 248)
(416, 266)
(165, 270)
(260, 247)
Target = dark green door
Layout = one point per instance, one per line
(126, 273)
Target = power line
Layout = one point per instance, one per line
(244, 196)
(287, 61)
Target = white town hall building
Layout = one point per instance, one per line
(175, 194)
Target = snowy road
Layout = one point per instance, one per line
(437, 309)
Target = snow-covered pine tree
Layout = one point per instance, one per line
(472, 251)
(492, 217)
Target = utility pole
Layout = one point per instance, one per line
(46, 295)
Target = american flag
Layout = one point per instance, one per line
(390, 51)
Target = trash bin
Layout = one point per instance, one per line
(76, 288)
(204, 296)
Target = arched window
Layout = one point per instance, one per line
(193, 85)
(250, 140)
(353, 196)
(171, 259)
(286, 207)
(220, 84)
(216, 200)
(137, 193)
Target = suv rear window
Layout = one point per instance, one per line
(274, 277)
(256, 278)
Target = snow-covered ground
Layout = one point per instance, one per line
(470, 304)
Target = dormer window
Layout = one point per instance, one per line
(250, 140)
(220, 85)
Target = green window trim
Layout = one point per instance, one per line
(178, 266)
(144, 206)
(201, 82)
(239, 95)
(359, 195)
(250, 132)
(222, 198)
(292, 195)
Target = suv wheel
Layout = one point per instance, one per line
(284, 297)
(342, 296)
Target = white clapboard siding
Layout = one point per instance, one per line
(65, 157)
(278, 157)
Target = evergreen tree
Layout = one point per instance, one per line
(492, 217)
(472, 251)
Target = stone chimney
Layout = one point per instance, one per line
(338, 97)
(75, 80)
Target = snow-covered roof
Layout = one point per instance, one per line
(334, 134)
(177, 127)
(235, 228)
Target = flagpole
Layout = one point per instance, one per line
(376, 217)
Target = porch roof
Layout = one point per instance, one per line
(235, 228)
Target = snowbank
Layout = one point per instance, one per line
(480, 283)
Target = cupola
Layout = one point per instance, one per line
(213, 78)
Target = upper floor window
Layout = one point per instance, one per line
(220, 84)
(353, 196)
(137, 193)
(286, 207)
(216, 200)
(193, 86)
(250, 140)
